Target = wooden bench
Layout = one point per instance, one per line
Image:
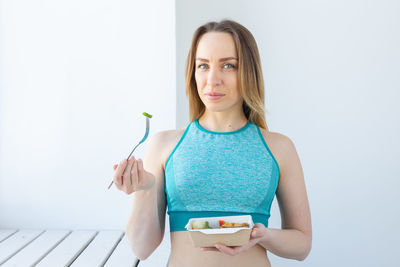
(72, 248)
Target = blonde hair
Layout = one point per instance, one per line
(250, 78)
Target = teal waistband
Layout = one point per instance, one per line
(179, 219)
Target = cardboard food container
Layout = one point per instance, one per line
(228, 236)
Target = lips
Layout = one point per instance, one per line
(214, 96)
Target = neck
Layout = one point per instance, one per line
(220, 122)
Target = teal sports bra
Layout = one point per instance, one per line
(220, 174)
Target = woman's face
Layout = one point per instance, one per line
(216, 72)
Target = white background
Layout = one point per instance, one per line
(76, 75)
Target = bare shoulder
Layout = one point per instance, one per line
(279, 144)
(165, 142)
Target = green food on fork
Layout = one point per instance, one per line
(148, 117)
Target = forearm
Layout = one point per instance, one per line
(287, 243)
(144, 228)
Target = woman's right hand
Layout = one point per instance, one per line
(130, 176)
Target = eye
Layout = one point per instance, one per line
(202, 66)
(229, 66)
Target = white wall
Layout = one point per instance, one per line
(332, 78)
(75, 79)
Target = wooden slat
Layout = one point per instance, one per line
(122, 255)
(99, 249)
(16, 242)
(6, 233)
(68, 250)
(38, 249)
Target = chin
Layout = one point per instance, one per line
(216, 108)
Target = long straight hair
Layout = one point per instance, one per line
(250, 78)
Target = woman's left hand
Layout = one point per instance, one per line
(256, 235)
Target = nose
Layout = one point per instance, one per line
(214, 77)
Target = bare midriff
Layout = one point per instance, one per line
(183, 254)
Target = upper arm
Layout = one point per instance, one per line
(152, 163)
(291, 193)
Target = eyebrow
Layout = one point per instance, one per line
(220, 60)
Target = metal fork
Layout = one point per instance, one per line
(148, 116)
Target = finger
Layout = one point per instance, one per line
(229, 250)
(259, 226)
(258, 231)
(255, 233)
(209, 249)
(118, 173)
(134, 174)
(140, 171)
(127, 172)
(128, 180)
(115, 166)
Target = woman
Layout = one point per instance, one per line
(225, 162)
